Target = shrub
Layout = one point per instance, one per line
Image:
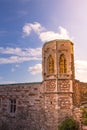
(84, 116)
(68, 124)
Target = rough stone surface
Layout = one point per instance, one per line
(43, 106)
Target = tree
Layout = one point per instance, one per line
(68, 124)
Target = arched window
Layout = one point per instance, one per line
(50, 65)
(62, 64)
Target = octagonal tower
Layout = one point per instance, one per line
(58, 76)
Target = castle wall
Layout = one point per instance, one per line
(80, 93)
(43, 106)
(29, 100)
(83, 89)
(77, 93)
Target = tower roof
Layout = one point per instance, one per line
(59, 40)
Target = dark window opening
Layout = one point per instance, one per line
(12, 105)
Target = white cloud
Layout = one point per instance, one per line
(34, 52)
(8, 50)
(35, 69)
(16, 59)
(50, 35)
(18, 55)
(81, 70)
(81, 66)
(27, 29)
(21, 51)
(36, 27)
(43, 34)
(9, 60)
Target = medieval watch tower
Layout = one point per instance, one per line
(58, 76)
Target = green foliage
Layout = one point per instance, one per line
(84, 116)
(68, 124)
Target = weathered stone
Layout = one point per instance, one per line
(43, 106)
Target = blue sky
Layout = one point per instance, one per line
(25, 25)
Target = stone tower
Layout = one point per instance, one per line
(58, 77)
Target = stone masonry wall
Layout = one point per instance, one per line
(51, 102)
(29, 100)
(42, 106)
(80, 93)
(64, 99)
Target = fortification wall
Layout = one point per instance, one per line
(22, 104)
(80, 93)
(42, 106)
